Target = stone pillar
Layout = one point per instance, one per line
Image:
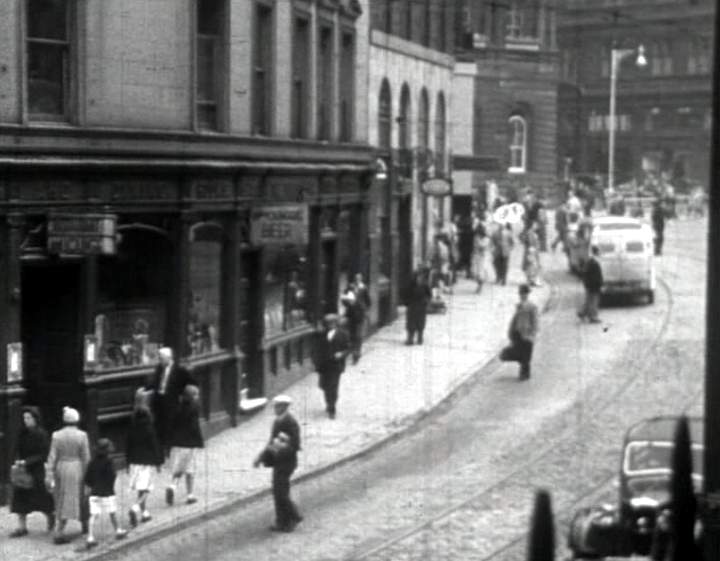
(180, 302)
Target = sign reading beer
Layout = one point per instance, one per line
(436, 187)
(279, 224)
(82, 234)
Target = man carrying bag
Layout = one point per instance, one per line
(522, 332)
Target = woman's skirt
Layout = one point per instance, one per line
(68, 490)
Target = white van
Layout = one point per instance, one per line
(626, 255)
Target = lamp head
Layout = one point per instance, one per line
(641, 59)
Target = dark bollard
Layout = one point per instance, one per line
(541, 541)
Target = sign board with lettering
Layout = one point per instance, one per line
(279, 224)
(82, 234)
(436, 187)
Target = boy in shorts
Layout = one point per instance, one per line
(185, 441)
(100, 478)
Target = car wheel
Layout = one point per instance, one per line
(650, 296)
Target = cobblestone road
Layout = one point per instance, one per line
(460, 486)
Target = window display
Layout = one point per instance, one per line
(286, 298)
(205, 286)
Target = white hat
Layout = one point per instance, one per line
(70, 416)
(166, 352)
(282, 398)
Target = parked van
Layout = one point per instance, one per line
(626, 255)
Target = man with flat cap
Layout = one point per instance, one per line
(285, 422)
(167, 384)
(331, 348)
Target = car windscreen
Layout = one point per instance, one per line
(634, 247)
(647, 456)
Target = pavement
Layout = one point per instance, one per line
(391, 388)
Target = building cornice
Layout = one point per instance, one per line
(383, 40)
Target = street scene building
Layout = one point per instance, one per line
(446, 268)
(662, 117)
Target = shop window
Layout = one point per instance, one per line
(518, 144)
(205, 289)
(48, 59)
(134, 290)
(209, 61)
(262, 69)
(286, 296)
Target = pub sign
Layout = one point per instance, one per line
(82, 234)
(279, 224)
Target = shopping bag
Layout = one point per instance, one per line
(20, 478)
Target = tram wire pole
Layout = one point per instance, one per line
(711, 486)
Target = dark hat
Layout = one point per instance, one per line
(524, 289)
(104, 446)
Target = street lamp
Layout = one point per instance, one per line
(616, 57)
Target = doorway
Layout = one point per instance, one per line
(50, 333)
(405, 241)
(329, 294)
(251, 316)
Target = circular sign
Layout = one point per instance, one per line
(436, 187)
(511, 213)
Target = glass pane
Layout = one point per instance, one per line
(285, 285)
(47, 19)
(207, 116)
(206, 68)
(210, 14)
(204, 316)
(46, 84)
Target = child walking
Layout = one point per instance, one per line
(100, 478)
(185, 440)
(144, 456)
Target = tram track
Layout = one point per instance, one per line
(547, 451)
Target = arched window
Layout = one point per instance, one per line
(518, 144)
(423, 133)
(385, 116)
(440, 134)
(404, 141)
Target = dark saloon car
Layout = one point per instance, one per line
(644, 487)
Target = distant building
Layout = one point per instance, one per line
(663, 112)
(411, 70)
(192, 174)
(505, 98)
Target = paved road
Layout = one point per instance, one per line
(460, 486)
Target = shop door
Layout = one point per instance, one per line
(51, 338)
(328, 278)
(251, 328)
(405, 257)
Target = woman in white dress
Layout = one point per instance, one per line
(481, 242)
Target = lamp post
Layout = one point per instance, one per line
(616, 57)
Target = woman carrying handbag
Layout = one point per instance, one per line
(29, 493)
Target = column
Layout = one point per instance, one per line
(177, 316)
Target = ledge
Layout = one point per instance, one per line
(286, 336)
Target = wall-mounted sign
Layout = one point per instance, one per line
(82, 234)
(14, 362)
(279, 224)
(437, 187)
(90, 352)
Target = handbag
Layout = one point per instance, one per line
(20, 478)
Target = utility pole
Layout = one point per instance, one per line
(711, 503)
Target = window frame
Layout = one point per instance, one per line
(220, 58)
(263, 62)
(301, 107)
(521, 147)
(346, 86)
(68, 46)
(385, 115)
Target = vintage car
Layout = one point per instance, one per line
(627, 528)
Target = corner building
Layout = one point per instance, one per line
(190, 173)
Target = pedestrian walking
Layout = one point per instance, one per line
(31, 451)
(331, 349)
(185, 441)
(531, 255)
(282, 458)
(68, 458)
(502, 243)
(658, 224)
(100, 478)
(592, 281)
(284, 421)
(523, 329)
(355, 320)
(417, 297)
(561, 228)
(481, 242)
(167, 384)
(143, 455)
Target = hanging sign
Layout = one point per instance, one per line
(279, 225)
(82, 234)
(437, 187)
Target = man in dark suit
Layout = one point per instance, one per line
(331, 348)
(592, 281)
(167, 384)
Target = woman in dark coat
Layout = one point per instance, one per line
(32, 448)
(418, 296)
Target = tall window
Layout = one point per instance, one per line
(423, 131)
(698, 56)
(404, 141)
(301, 72)
(661, 61)
(48, 59)
(347, 85)
(518, 144)
(514, 28)
(208, 65)
(440, 135)
(325, 82)
(385, 116)
(262, 69)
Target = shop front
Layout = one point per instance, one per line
(233, 268)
